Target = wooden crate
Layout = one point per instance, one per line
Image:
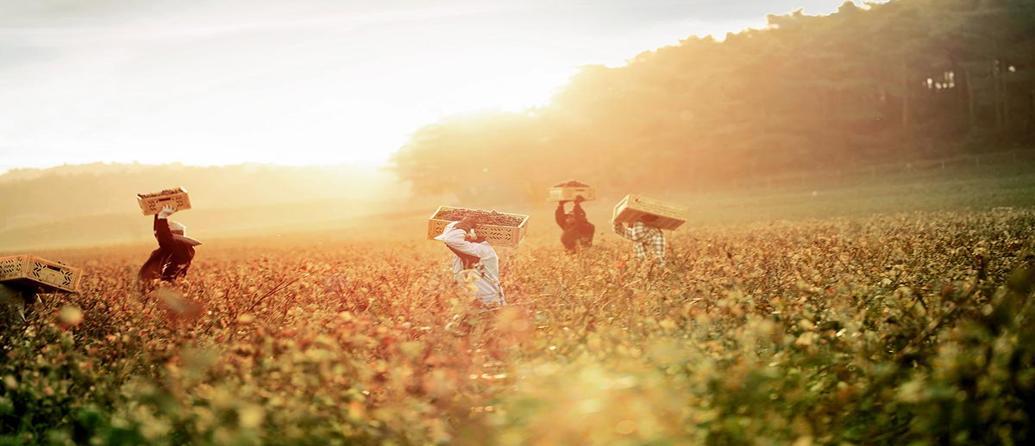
(494, 234)
(632, 207)
(27, 271)
(151, 205)
(568, 193)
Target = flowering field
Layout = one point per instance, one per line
(889, 329)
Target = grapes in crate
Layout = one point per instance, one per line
(481, 217)
(571, 183)
(164, 192)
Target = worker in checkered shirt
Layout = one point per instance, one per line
(645, 237)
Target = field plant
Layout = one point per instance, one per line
(911, 328)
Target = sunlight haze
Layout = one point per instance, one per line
(306, 82)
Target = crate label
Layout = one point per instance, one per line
(52, 275)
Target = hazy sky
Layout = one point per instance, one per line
(300, 81)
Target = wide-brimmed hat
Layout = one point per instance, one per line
(179, 232)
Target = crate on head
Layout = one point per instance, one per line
(567, 191)
(633, 207)
(496, 235)
(32, 272)
(177, 198)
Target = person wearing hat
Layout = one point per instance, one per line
(175, 250)
(475, 261)
(576, 230)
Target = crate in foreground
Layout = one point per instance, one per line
(36, 272)
(509, 232)
(567, 191)
(177, 198)
(632, 207)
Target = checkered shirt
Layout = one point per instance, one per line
(644, 238)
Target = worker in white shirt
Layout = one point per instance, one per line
(475, 261)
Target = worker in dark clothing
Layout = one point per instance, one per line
(175, 250)
(17, 301)
(578, 231)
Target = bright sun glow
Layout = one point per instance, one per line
(306, 82)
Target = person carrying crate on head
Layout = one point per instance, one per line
(175, 250)
(475, 261)
(577, 230)
(645, 237)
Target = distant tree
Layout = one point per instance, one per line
(871, 83)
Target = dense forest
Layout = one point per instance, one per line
(903, 80)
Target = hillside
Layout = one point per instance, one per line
(392, 214)
(96, 203)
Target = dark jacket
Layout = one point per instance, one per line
(578, 231)
(172, 258)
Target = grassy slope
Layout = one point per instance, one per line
(981, 189)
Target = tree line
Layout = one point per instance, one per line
(905, 79)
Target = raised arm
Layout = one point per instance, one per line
(457, 239)
(161, 226)
(621, 230)
(580, 214)
(558, 215)
(634, 233)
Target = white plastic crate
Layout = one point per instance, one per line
(568, 193)
(633, 207)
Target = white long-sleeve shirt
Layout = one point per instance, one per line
(485, 275)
